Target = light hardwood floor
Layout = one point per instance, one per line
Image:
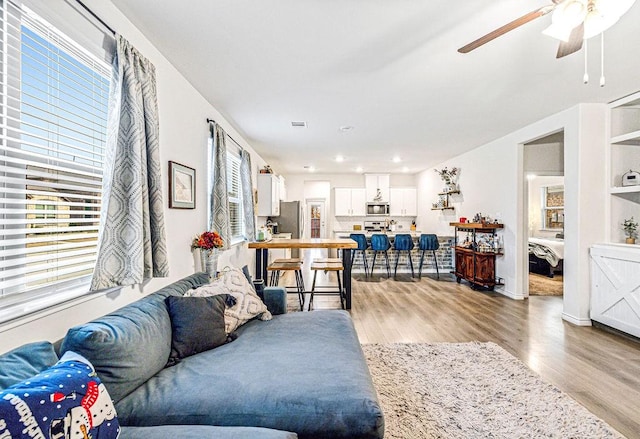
(599, 369)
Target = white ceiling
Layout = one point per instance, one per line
(389, 68)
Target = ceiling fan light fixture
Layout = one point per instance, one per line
(570, 13)
(558, 32)
(566, 16)
(595, 23)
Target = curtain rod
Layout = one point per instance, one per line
(234, 140)
(93, 14)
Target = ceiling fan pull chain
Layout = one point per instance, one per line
(602, 60)
(585, 78)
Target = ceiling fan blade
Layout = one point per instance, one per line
(574, 44)
(506, 28)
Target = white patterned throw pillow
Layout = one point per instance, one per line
(248, 305)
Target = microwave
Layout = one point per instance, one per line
(377, 209)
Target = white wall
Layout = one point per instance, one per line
(492, 182)
(183, 138)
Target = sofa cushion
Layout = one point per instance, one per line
(203, 432)
(249, 305)
(197, 324)
(130, 345)
(300, 372)
(25, 361)
(66, 400)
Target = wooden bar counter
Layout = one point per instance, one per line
(262, 256)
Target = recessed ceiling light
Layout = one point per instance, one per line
(299, 124)
(405, 169)
(396, 159)
(346, 128)
(359, 169)
(339, 159)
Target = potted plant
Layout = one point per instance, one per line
(208, 243)
(630, 227)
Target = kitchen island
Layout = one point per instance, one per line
(444, 254)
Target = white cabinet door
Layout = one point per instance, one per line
(373, 182)
(410, 201)
(349, 201)
(403, 201)
(268, 195)
(342, 201)
(358, 202)
(396, 201)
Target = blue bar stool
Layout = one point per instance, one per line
(428, 242)
(403, 242)
(380, 243)
(361, 239)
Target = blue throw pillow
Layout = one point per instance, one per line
(26, 361)
(65, 401)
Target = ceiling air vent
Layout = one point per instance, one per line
(300, 124)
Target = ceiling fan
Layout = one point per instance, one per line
(572, 22)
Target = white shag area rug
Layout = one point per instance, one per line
(472, 390)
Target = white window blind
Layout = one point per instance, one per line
(52, 139)
(234, 186)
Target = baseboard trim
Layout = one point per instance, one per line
(509, 294)
(576, 321)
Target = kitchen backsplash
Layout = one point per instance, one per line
(402, 223)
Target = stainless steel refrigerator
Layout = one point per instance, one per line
(291, 220)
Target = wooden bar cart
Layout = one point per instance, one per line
(476, 255)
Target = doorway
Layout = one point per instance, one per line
(316, 218)
(544, 210)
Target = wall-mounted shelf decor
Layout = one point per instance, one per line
(444, 203)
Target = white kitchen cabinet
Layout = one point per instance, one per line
(373, 182)
(403, 201)
(268, 195)
(350, 201)
(282, 188)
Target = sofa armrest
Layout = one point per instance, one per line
(276, 300)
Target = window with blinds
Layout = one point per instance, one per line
(52, 141)
(234, 186)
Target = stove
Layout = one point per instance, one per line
(374, 226)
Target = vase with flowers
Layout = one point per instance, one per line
(450, 177)
(208, 243)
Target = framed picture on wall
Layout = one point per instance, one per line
(182, 186)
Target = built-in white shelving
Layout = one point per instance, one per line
(624, 190)
(624, 156)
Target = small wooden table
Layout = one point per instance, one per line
(346, 244)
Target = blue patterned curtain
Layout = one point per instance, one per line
(247, 196)
(219, 195)
(132, 245)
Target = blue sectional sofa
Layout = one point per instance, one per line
(298, 375)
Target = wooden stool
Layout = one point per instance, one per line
(277, 267)
(326, 265)
(279, 260)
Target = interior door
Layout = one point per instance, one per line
(316, 218)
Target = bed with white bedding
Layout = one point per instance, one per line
(546, 255)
